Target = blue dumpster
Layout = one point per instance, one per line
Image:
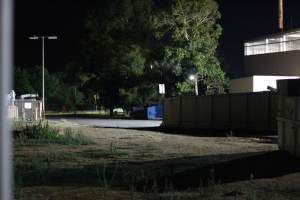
(155, 112)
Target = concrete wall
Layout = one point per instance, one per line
(247, 111)
(256, 83)
(277, 64)
(261, 83)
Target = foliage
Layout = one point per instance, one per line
(57, 93)
(131, 46)
(140, 95)
(128, 48)
(186, 88)
(191, 32)
(22, 82)
(116, 50)
(44, 134)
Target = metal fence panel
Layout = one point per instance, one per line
(239, 110)
(203, 111)
(171, 111)
(248, 111)
(258, 111)
(188, 111)
(221, 111)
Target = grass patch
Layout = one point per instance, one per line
(112, 152)
(104, 153)
(40, 133)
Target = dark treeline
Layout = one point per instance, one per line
(59, 95)
(129, 47)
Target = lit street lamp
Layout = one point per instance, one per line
(194, 78)
(43, 63)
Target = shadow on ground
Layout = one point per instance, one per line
(183, 173)
(209, 132)
(267, 165)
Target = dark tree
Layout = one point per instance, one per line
(115, 48)
(190, 33)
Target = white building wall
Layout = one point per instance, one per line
(256, 83)
(261, 83)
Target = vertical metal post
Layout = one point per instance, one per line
(43, 63)
(6, 47)
(196, 86)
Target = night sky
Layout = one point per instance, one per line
(241, 20)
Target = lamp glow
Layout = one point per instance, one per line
(192, 77)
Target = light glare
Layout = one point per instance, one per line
(192, 77)
(52, 37)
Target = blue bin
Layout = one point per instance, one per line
(155, 112)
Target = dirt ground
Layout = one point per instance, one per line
(197, 167)
(149, 145)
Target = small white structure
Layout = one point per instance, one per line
(12, 109)
(256, 83)
(28, 108)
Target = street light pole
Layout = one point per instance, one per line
(196, 86)
(194, 78)
(43, 74)
(43, 65)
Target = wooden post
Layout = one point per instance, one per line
(281, 16)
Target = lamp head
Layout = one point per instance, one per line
(192, 77)
(52, 37)
(33, 38)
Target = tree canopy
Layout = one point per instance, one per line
(115, 40)
(190, 33)
(58, 94)
(130, 46)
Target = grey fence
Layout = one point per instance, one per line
(289, 124)
(247, 111)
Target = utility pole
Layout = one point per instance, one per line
(196, 86)
(281, 15)
(194, 78)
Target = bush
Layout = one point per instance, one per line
(44, 134)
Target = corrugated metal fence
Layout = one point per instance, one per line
(247, 111)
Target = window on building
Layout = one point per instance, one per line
(279, 43)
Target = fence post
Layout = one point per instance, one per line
(6, 49)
